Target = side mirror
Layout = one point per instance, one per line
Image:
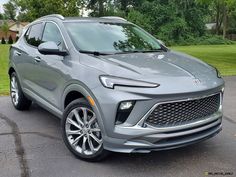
(50, 48)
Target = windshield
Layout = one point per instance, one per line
(110, 37)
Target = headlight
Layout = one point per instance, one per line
(218, 73)
(112, 81)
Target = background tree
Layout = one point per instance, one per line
(30, 10)
(97, 7)
(10, 10)
(1, 16)
(5, 28)
(222, 10)
(174, 21)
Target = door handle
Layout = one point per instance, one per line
(18, 53)
(37, 59)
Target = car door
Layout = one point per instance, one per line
(25, 53)
(51, 68)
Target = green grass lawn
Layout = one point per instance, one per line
(221, 56)
(4, 80)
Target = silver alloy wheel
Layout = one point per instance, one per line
(83, 132)
(14, 90)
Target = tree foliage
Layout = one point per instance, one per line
(10, 10)
(170, 20)
(5, 28)
(30, 10)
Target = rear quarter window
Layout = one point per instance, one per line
(34, 34)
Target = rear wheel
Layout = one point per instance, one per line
(81, 131)
(18, 98)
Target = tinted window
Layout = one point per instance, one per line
(34, 37)
(110, 37)
(27, 34)
(52, 33)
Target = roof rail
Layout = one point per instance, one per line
(114, 17)
(53, 15)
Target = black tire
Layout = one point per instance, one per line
(23, 103)
(100, 154)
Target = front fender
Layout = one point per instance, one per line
(85, 91)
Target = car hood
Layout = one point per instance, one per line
(159, 67)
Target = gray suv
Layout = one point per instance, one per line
(114, 86)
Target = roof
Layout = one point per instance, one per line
(87, 19)
(90, 19)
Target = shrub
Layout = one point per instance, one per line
(3, 41)
(10, 40)
(17, 37)
(203, 40)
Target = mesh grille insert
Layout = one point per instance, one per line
(183, 112)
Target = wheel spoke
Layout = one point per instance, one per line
(13, 89)
(90, 144)
(92, 120)
(95, 130)
(83, 144)
(73, 132)
(12, 85)
(85, 115)
(13, 94)
(12, 82)
(78, 118)
(95, 138)
(75, 142)
(70, 121)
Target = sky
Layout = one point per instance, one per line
(1, 3)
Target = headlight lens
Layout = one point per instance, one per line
(112, 81)
(218, 73)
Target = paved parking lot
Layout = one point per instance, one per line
(31, 145)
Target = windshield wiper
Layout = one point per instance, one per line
(141, 51)
(94, 52)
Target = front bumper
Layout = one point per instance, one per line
(148, 139)
(132, 136)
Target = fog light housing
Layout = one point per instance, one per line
(123, 111)
(126, 105)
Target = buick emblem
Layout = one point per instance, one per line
(196, 81)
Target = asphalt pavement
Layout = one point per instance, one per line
(31, 145)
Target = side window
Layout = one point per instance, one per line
(34, 36)
(52, 33)
(27, 34)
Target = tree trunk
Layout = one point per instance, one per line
(124, 4)
(225, 14)
(100, 8)
(218, 18)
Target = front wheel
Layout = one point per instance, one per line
(81, 131)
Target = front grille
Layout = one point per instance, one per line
(183, 112)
